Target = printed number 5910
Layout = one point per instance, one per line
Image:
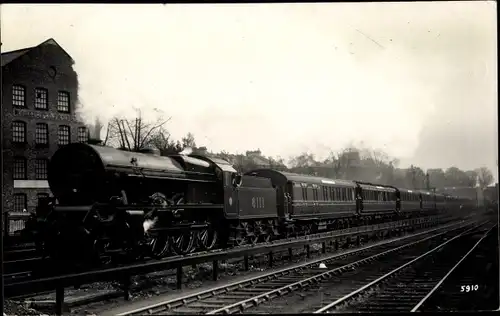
(469, 288)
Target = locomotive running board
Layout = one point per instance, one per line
(87, 208)
(181, 227)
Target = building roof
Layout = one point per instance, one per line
(8, 57)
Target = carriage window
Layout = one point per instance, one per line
(315, 194)
(344, 195)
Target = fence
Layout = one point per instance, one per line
(13, 223)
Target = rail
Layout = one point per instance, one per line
(257, 298)
(372, 285)
(125, 272)
(438, 285)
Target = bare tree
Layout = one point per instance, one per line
(188, 141)
(484, 176)
(339, 162)
(133, 134)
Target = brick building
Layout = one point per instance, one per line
(39, 98)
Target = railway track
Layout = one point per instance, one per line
(19, 263)
(20, 269)
(19, 253)
(472, 284)
(413, 281)
(239, 296)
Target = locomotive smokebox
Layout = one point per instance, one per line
(76, 174)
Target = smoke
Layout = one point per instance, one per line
(187, 151)
(149, 223)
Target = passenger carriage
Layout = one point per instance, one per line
(377, 198)
(428, 201)
(302, 197)
(410, 200)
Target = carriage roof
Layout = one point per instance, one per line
(280, 178)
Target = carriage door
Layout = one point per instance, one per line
(421, 202)
(288, 192)
(397, 194)
(359, 199)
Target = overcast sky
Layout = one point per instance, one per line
(416, 79)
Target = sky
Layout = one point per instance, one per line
(415, 79)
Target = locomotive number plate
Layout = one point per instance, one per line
(258, 202)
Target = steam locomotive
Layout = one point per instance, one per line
(110, 204)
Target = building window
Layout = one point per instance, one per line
(19, 168)
(19, 96)
(20, 202)
(63, 135)
(42, 134)
(82, 135)
(18, 132)
(63, 101)
(41, 99)
(41, 169)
